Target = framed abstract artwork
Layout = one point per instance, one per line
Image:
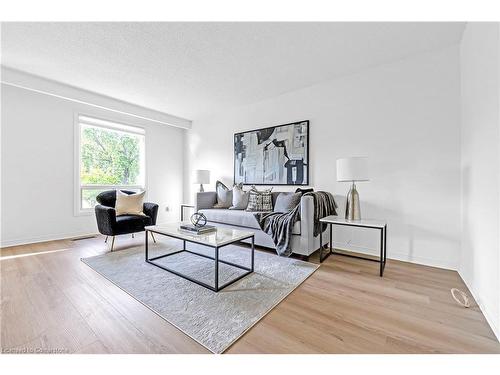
(278, 155)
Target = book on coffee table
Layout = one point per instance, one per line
(197, 230)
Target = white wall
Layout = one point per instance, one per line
(38, 165)
(480, 165)
(404, 116)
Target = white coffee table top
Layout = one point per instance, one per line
(372, 223)
(222, 236)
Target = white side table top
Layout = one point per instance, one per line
(371, 223)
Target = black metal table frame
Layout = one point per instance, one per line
(215, 288)
(383, 245)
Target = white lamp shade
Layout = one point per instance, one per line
(352, 169)
(201, 176)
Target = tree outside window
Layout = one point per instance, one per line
(109, 159)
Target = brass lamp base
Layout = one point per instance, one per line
(352, 208)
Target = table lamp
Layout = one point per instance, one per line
(201, 176)
(351, 170)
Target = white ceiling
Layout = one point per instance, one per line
(190, 69)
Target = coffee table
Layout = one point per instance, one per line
(220, 238)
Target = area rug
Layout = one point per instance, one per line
(215, 320)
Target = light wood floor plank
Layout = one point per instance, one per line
(51, 300)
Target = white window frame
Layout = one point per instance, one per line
(101, 123)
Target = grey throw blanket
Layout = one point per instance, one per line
(324, 205)
(279, 225)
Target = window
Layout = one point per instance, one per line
(110, 156)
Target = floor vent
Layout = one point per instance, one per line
(83, 238)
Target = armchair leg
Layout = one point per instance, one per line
(112, 243)
(106, 240)
(153, 237)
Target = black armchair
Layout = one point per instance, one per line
(111, 225)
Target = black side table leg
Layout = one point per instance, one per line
(216, 269)
(331, 239)
(321, 258)
(321, 246)
(382, 233)
(146, 246)
(385, 245)
(253, 253)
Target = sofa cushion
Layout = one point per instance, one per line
(240, 198)
(260, 201)
(274, 196)
(224, 195)
(238, 218)
(286, 202)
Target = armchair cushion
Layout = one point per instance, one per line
(129, 204)
(131, 223)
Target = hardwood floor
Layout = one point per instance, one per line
(51, 301)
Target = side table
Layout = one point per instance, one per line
(364, 223)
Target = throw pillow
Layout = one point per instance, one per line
(285, 202)
(240, 198)
(260, 201)
(224, 195)
(129, 204)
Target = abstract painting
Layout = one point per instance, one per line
(278, 155)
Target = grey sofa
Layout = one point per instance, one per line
(303, 241)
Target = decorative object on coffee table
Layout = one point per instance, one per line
(198, 220)
(277, 155)
(352, 170)
(198, 225)
(192, 229)
(367, 223)
(201, 176)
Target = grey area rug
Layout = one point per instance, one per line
(215, 320)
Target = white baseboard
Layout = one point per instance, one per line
(339, 245)
(487, 315)
(432, 262)
(29, 240)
